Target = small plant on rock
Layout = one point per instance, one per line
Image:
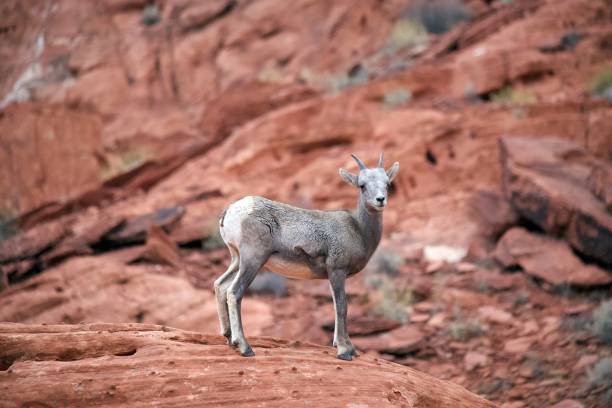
(7, 227)
(358, 75)
(389, 299)
(212, 239)
(601, 83)
(514, 97)
(602, 322)
(600, 377)
(393, 301)
(387, 262)
(150, 15)
(439, 16)
(407, 32)
(397, 97)
(127, 161)
(463, 329)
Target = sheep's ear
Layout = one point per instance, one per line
(392, 172)
(348, 177)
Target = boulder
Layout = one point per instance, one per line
(32, 242)
(547, 258)
(403, 340)
(473, 360)
(87, 231)
(160, 248)
(600, 183)
(135, 230)
(547, 182)
(143, 365)
(365, 325)
(495, 315)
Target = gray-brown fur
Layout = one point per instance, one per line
(296, 242)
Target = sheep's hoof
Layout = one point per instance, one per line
(347, 355)
(247, 352)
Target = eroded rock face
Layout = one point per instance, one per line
(48, 153)
(99, 289)
(547, 258)
(547, 182)
(140, 364)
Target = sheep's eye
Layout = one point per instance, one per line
(362, 186)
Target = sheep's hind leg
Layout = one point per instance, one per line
(249, 266)
(221, 285)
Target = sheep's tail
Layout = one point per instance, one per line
(222, 218)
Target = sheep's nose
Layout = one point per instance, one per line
(380, 199)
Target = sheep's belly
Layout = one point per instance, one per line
(291, 269)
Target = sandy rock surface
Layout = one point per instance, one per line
(139, 364)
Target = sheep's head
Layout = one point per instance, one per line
(373, 182)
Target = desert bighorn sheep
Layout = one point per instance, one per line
(302, 244)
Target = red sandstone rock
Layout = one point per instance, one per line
(99, 289)
(365, 325)
(139, 365)
(31, 243)
(48, 154)
(241, 103)
(87, 231)
(474, 360)
(134, 230)
(546, 180)
(160, 248)
(547, 258)
(402, 340)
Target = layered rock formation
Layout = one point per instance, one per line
(140, 365)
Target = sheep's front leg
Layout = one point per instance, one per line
(346, 350)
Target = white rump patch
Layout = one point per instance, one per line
(232, 223)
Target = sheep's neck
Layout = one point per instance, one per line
(370, 224)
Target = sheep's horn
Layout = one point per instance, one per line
(359, 162)
(380, 160)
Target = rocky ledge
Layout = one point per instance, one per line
(145, 365)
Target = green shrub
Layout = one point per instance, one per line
(601, 82)
(150, 15)
(514, 97)
(464, 329)
(271, 75)
(7, 227)
(389, 297)
(602, 322)
(391, 301)
(439, 16)
(127, 161)
(522, 297)
(339, 82)
(212, 239)
(601, 377)
(397, 97)
(387, 263)
(407, 32)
